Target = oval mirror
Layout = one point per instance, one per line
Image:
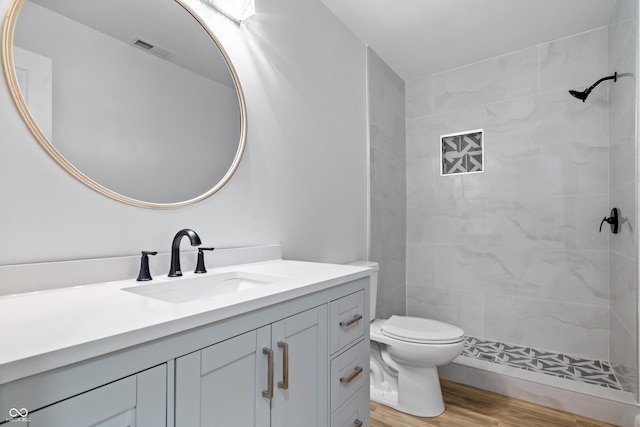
(136, 99)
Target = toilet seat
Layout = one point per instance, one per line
(421, 331)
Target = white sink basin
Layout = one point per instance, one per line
(206, 286)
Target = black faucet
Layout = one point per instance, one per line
(175, 270)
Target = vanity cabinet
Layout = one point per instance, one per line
(138, 400)
(297, 361)
(274, 375)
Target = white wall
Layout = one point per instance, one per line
(302, 181)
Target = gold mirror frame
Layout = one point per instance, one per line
(14, 88)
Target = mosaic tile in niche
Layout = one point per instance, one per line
(462, 152)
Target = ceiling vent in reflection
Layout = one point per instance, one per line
(152, 49)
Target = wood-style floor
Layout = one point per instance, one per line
(470, 407)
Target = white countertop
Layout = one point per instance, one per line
(45, 330)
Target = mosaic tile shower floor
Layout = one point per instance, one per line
(559, 365)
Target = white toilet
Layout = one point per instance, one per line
(405, 354)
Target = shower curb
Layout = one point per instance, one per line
(591, 401)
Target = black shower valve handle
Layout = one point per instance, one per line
(612, 221)
(605, 219)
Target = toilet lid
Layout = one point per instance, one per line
(420, 330)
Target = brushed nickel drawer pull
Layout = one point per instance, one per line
(356, 371)
(354, 319)
(284, 384)
(357, 423)
(268, 393)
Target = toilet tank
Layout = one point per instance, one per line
(373, 293)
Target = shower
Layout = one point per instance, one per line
(585, 93)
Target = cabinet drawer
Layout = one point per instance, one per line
(355, 412)
(347, 317)
(349, 374)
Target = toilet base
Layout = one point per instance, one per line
(404, 374)
(418, 393)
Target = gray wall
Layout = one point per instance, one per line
(623, 259)
(514, 254)
(387, 184)
(302, 181)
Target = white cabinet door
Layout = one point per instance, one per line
(300, 343)
(139, 400)
(222, 385)
(230, 383)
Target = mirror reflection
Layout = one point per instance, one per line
(134, 94)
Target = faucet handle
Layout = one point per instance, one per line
(145, 274)
(200, 268)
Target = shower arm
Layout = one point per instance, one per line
(614, 77)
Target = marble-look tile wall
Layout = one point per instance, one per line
(514, 254)
(387, 184)
(623, 257)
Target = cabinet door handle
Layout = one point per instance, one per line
(284, 384)
(356, 371)
(357, 423)
(354, 319)
(268, 393)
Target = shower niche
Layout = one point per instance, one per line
(462, 152)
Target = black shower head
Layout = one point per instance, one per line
(580, 95)
(583, 95)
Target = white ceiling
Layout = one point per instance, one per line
(162, 23)
(421, 37)
(415, 37)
